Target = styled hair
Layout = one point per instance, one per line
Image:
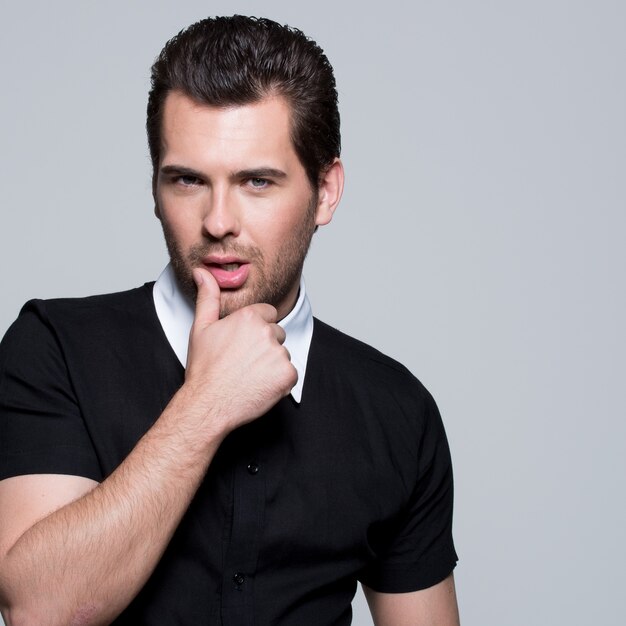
(231, 61)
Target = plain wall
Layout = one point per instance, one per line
(480, 241)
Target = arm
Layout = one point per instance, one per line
(85, 561)
(435, 606)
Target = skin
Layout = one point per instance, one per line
(73, 551)
(231, 184)
(435, 606)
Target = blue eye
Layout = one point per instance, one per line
(259, 183)
(187, 181)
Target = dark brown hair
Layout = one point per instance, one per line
(226, 61)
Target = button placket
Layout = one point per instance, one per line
(240, 558)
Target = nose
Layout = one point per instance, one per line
(221, 215)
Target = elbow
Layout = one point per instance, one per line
(16, 616)
(14, 611)
(25, 611)
(23, 615)
(24, 605)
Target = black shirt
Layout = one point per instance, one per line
(354, 483)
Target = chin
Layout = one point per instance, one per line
(233, 300)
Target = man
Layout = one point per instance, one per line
(286, 461)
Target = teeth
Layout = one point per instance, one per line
(230, 267)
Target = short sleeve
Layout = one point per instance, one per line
(419, 551)
(41, 427)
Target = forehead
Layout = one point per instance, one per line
(256, 131)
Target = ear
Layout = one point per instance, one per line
(329, 194)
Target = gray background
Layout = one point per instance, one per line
(480, 241)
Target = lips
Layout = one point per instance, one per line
(229, 273)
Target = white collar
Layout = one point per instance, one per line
(176, 312)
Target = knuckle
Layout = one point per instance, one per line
(270, 312)
(291, 376)
(247, 314)
(267, 332)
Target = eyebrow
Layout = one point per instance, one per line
(180, 170)
(260, 172)
(255, 172)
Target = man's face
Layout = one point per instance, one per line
(232, 196)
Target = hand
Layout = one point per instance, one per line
(237, 367)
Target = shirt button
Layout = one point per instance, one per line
(253, 468)
(239, 578)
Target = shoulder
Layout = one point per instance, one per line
(368, 372)
(348, 351)
(62, 321)
(132, 301)
(330, 338)
(93, 311)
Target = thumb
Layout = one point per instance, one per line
(208, 298)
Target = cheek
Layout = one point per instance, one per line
(181, 221)
(179, 210)
(284, 222)
(272, 236)
(176, 234)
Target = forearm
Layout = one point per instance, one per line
(84, 563)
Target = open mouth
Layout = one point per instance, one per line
(229, 267)
(231, 275)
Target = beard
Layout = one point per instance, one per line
(270, 281)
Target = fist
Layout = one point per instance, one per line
(237, 367)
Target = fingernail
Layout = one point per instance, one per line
(197, 276)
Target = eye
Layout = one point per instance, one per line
(259, 183)
(187, 180)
